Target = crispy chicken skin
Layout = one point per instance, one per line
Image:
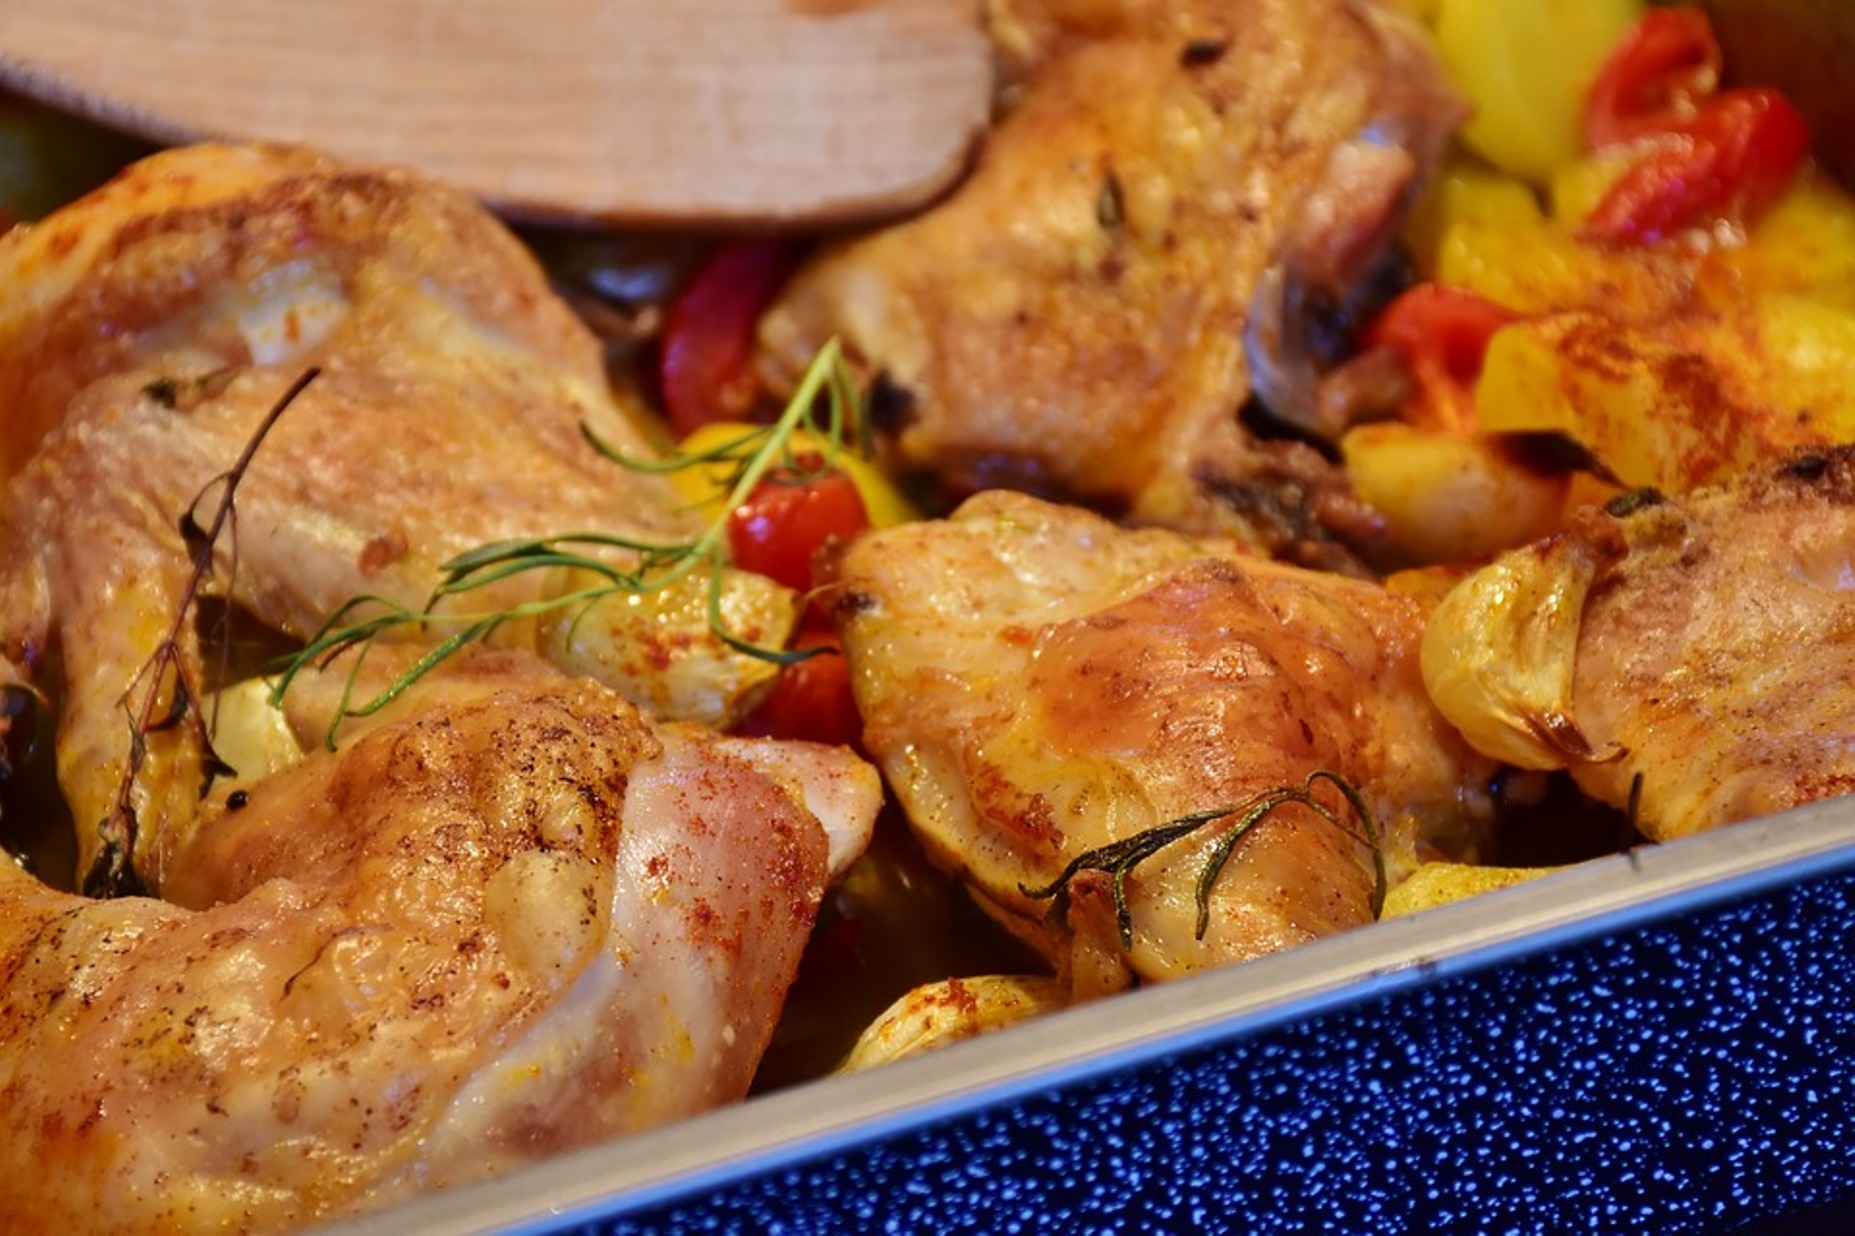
(1165, 175)
(480, 933)
(149, 328)
(1037, 683)
(1705, 645)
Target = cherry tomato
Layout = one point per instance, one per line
(705, 365)
(1443, 333)
(812, 698)
(1657, 76)
(706, 486)
(789, 516)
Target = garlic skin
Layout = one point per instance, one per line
(1499, 655)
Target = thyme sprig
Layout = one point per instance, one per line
(162, 697)
(1119, 858)
(825, 405)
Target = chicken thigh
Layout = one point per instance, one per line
(1690, 659)
(147, 332)
(1169, 183)
(486, 930)
(1039, 685)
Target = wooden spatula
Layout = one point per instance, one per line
(636, 111)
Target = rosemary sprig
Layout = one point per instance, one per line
(1119, 858)
(168, 699)
(648, 566)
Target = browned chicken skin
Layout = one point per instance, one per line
(1165, 177)
(1704, 645)
(481, 933)
(148, 330)
(1037, 683)
(510, 915)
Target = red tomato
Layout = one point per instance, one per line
(1657, 76)
(789, 517)
(1443, 333)
(705, 364)
(812, 699)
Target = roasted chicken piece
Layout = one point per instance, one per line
(1170, 183)
(1038, 684)
(1690, 659)
(504, 922)
(147, 332)
(507, 915)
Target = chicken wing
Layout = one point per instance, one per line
(1167, 178)
(148, 330)
(482, 932)
(1038, 684)
(1692, 659)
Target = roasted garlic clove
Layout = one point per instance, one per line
(657, 649)
(1499, 653)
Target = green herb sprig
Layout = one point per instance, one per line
(826, 405)
(1119, 858)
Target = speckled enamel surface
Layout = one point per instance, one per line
(1687, 1076)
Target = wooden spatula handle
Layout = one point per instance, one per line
(680, 111)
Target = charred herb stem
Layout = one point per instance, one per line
(1118, 859)
(162, 696)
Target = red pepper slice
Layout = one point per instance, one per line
(1656, 76)
(705, 364)
(790, 515)
(1708, 156)
(812, 699)
(1443, 333)
(1733, 160)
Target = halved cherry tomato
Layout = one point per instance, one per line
(1443, 333)
(1707, 156)
(1656, 76)
(812, 698)
(705, 366)
(789, 516)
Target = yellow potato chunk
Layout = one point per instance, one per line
(1526, 68)
(1466, 193)
(1541, 266)
(1701, 396)
(1805, 245)
(1438, 884)
(1449, 497)
(938, 1014)
(1579, 186)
